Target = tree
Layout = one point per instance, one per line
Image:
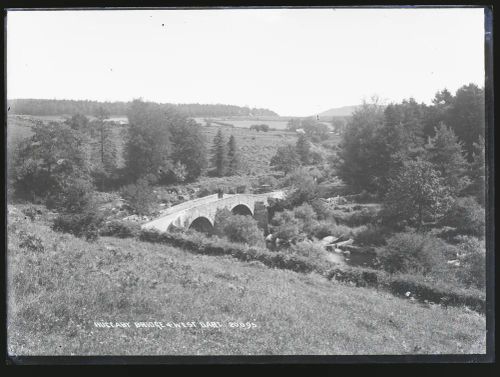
(286, 159)
(293, 124)
(232, 156)
(315, 130)
(359, 163)
(188, 148)
(416, 194)
(444, 151)
(139, 196)
(303, 148)
(148, 145)
(219, 154)
(477, 173)
(78, 122)
(303, 188)
(466, 116)
(46, 161)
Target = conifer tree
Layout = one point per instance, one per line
(445, 152)
(232, 156)
(303, 148)
(477, 172)
(219, 155)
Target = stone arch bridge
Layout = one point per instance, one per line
(200, 213)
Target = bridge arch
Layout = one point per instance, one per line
(242, 209)
(202, 224)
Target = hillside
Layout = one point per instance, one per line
(60, 286)
(338, 111)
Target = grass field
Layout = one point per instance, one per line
(256, 148)
(56, 295)
(278, 123)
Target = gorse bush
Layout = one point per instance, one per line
(85, 225)
(472, 257)
(372, 235)
(121, 229)
(75, 195)
(413, 252)
(309, 249)
(30, 242)
(238, 228)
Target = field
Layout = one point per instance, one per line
(278, 123)
(256, 148)
(59, 292)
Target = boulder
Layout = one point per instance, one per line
(329, 240)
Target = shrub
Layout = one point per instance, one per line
(30, 242)
(323, 228)
(32, 212)
(372, 235)
(414, 253)
(85, 224)
(307, 216)
(322, 209)
(120, 229)
(74, 195)
(362, 217)
(139, 196)
(284, 225)
(238, 228)
(467, 216)
(309, 249)
(472, 257)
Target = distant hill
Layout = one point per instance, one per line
(49, 107)
(338, 111)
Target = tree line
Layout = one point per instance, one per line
(52, 107)
(418, 159)
(63, 163)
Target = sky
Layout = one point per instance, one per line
(297, 62)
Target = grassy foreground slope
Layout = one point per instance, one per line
(57, 293)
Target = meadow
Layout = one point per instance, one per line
(277, 123)
(60, 285)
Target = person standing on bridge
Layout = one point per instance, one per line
(220, 193)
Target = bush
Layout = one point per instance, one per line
(372, 235)
(73, 196)
(467, 216)
(414, 253)
(322, 209)
(472, 257)
(120, 229)
(238, 228)
(139, 196)
(307, 216)
(85, 224)
(284, 225)
(30, 242)
(32, 212)
(309, 249)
